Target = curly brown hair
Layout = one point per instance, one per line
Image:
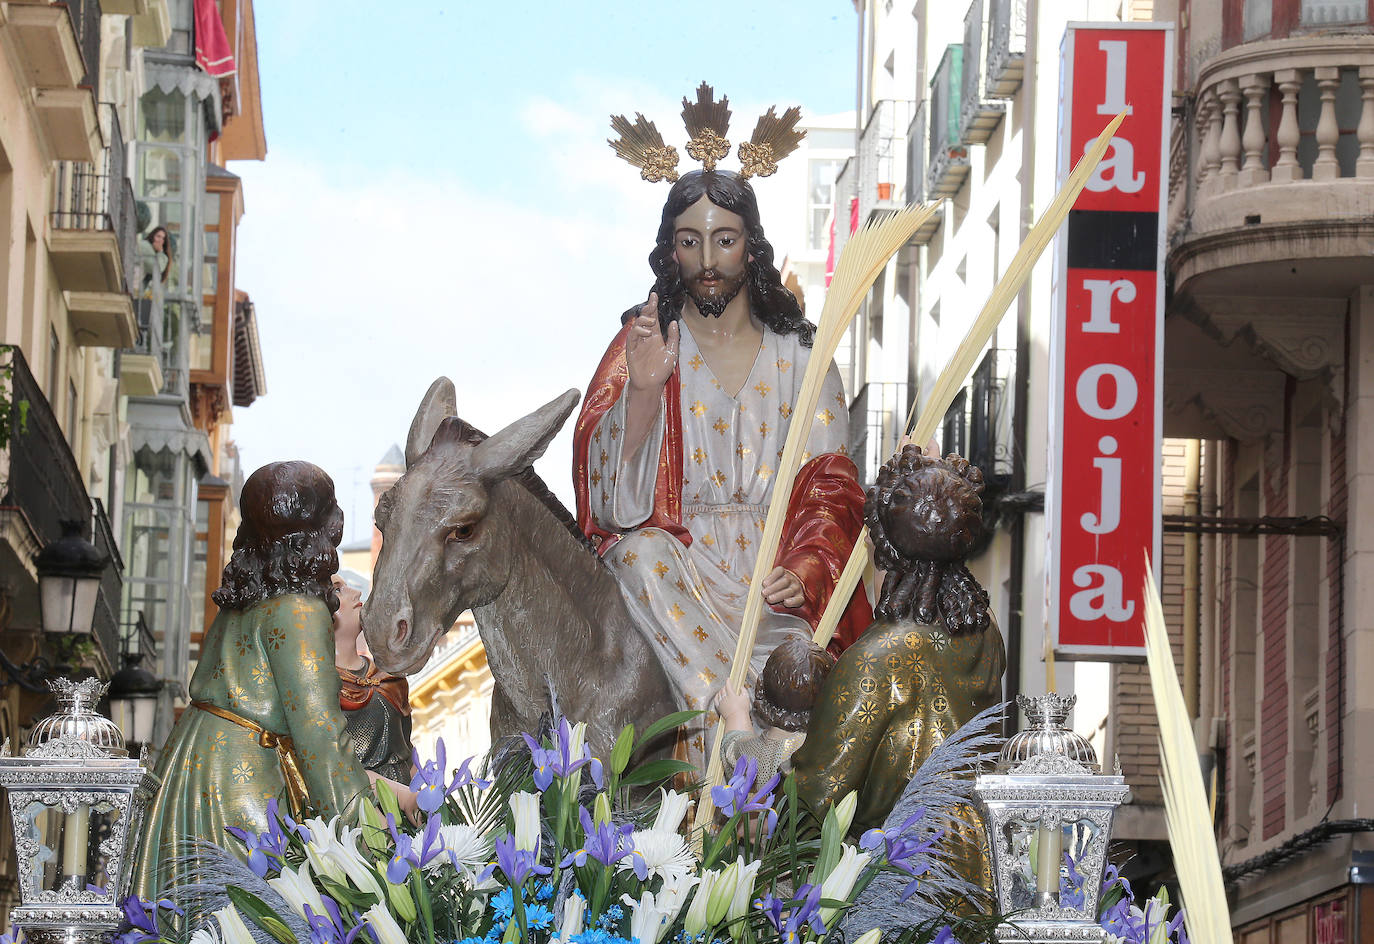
(288, 540)
(924, 514)
(790, 682)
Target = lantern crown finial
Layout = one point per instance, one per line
(76, 729)
(1048, 746)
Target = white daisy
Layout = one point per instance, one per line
(468, 845)
(663, 852)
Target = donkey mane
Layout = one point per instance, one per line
(465, 432)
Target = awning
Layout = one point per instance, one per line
(157, 426)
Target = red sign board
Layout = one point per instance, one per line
(1103, 502)
(1328, 922)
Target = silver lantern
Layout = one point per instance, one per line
(77, 800)
(1048, 811)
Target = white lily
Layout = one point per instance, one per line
(840, 882)
(574, 913)
(673, 895)
(205, 934)
(646, 918)
(385, 926)
(697, 920)
(723, 893)
(525, 807)
(671, 811)
(232, 930)
(577, 740)
(333, 852)
(744, 892)
(844, 813)
(298, 888)
(871, 936)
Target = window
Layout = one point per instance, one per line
(54, 365)
(820, 201)
(72, 400)
(1258, 19)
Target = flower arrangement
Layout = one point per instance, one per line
(556, 846)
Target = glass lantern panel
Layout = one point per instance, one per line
(1074, 881)
(71, 849)
(1048, 867)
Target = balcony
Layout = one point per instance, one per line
(58, 46)
(85, 16)
(43, 488)
(948, 164)
(978, 424)
(916, 175)
(45, 37)
(846, 192)
(978, 113)
(153, 27)
(882, 157)
(140, 369)
(92, 241)
(1006, 49)
(1282, 156)
(877, 421)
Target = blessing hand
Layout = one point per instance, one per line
(649, 356)
(783, 588)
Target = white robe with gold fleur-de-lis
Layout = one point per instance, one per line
(690, 599)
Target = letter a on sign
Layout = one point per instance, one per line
(1106, 413)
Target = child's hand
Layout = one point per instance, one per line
(733, 705)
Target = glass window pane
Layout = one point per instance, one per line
(209, 278)
(211, 210)
(159, 172)
(163, 117)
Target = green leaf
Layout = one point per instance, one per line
(386, 799)
(624, 747)
(421, 893)
(357, 900)
(666, 723)
(255, 909)
(655, 771)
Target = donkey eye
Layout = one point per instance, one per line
(461, 532)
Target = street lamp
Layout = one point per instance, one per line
(133, 700)
(77, 802)
(1049, 818)
(69, 572)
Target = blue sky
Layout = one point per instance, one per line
(438, 198)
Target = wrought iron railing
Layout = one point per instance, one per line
(978, 113)
(98, 196)
(105, 625)
(1006, 56)
(877, 421)
(85, 16)
(881, 154)
(948, 164)
(916, 156)
(978, 424)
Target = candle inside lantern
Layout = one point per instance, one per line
(75, 841)
(1050, 841)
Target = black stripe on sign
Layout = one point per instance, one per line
(1110, 239)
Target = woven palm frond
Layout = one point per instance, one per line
(774, 138)
(708, 123)
(641, 144)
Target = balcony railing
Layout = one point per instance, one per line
(99, 196)
(978, 424)
(877, 421)
(978, 113)
(882, 155)
(948, 165)
(1006, 56)
(45, 485)
(105, 626)
(1286, 111)
(85, 16)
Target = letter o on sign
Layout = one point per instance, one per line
(1088, 392)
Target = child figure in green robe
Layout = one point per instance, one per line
(264, 720)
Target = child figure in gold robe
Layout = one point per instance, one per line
(931, 660)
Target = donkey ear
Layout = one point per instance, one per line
(519, 444)
(440, 402)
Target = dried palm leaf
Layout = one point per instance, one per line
(951, 379)
(1186, 811)
(708, 123)
(641, 145)
(774, 138)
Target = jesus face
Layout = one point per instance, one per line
(709, 248)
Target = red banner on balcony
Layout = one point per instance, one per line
(214, 54)
(1106, 411)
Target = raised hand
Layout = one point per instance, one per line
(650, 357)
(783, 588)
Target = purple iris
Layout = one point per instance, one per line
(265, 849)
(557, 761)
(329, 928)
(1111, 875)
(607, 843)
(806, 909)
(735, 797)
(408, 854)
(142, 917)
(429, 784)
(515, 864)
(902, 847)
(945, 936)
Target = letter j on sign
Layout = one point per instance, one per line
(1106, 411)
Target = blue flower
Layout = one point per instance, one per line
(142, 917)
(559, 760)
(265, 850)
(607, 843)
(329, 928)
(538, 917)
(805, 909)
(504, 903)
(735, 796)
(901, 847)
(515, 864)
(608, 917)
(429, 784)
(944, 936)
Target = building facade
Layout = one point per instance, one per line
(1266, 368)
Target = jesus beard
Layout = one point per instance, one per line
(714, 305)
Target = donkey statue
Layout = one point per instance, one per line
(470, 526)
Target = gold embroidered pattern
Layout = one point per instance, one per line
(660, 570)
(698, 408)
(763, 388)
(696, 363)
